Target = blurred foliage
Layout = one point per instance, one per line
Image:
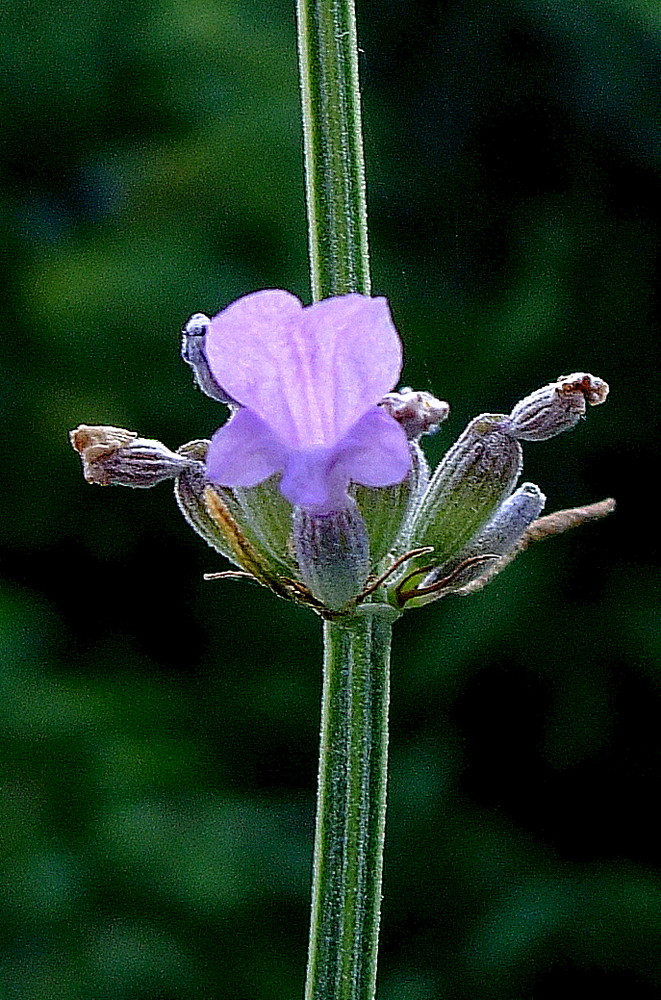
(158, 734)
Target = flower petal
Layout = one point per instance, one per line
(244, 452)
(313, 480)
(311, 372)
(375, 452)
(354, 356)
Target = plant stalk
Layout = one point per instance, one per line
(333, 147)
(351, 807)
(351, 803)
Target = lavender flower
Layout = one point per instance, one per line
(307, 381)
(314, 426)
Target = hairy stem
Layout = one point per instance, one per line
(351, 807)
(348, 854)
(333, 145)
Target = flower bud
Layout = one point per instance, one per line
(514, 515)
(498, 537)
(537, 529)
(113, 456)
(193, 337)
(333, 554)
(556, 407)
(472, 480)
(418, 412)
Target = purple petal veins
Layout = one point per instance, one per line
(308, 380)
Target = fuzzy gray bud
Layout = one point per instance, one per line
(333, 554)
(489, 551)
(418, 412)
(193, 336)
(556, 407)
(496, 538)
(505, 528)
(113, 456)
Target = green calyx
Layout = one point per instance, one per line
(472, 480)
(388, 511)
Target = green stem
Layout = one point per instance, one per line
(351, 807)
(348, 854)
(334, 163)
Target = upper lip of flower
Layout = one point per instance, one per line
(308, 379)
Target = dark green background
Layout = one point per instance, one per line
(158, 733)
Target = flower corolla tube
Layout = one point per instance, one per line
(307, 381)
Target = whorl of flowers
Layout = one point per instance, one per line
(317, 486)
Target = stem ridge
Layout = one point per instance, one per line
(348, 859)
(333, 147)
(351, 803)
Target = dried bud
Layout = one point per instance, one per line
(556, 407)
(418, 412)
(333, 554)
(193, 337)
(113, 456)
(473, 479)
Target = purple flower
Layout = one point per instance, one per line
(307, 379)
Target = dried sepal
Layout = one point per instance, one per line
(113, 456)
(243, 552)
(556, 407)
(268, 517)
(418, 412)
(218, 515)
(189, 494)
